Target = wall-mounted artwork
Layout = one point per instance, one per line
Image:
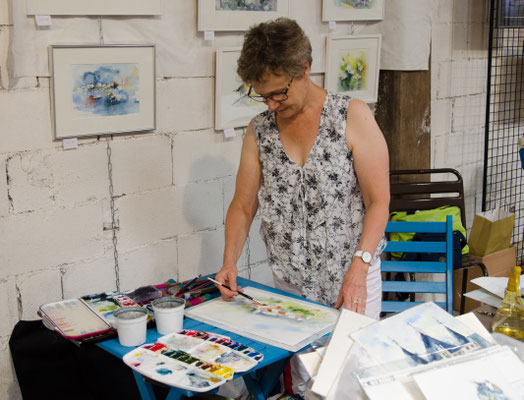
(511, 13)
(102, 89)
(277, 320)
(238, 15)
(352, 10)
(233, 108)
(353, 66)
(93, 7)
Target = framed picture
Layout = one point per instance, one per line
(94, 7)
(102, 89)
(353, 66)
(352, 10)
(233, 108)
(511, 14)
(238, 15)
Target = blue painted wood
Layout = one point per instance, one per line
(445, 268)
(260, 380)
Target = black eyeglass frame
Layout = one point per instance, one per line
(263, 99)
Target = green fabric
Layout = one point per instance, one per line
(436, 214)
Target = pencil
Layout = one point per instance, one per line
(240, 293)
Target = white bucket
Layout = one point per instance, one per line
(131, 324)
(169, 314)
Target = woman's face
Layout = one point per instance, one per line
(275, 84)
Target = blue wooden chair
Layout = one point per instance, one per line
(444, 267)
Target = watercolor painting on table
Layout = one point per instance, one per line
(418, 336)
(233, 108)
(352, 10)
(353, 66)
(277, 320)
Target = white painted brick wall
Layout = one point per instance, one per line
(8, 306)
(8, 384)
(38, 288)
(89, 277)
(4, 45)
(220, 160)
(140, 163)
(4, 198)
(39, 240)
(185, 104)
(200, 253)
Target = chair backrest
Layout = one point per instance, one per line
(445, 267)
(413, 190)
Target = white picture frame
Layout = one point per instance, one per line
(94, 7)
(352, 10)
(212, 19)
(353, 53)
(233, 109)
(102, 89)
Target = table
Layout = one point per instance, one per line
(259, 381)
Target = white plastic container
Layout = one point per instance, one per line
(131, 324)
(169, 314)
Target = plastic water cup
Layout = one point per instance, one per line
(131, 324)
(169, 314)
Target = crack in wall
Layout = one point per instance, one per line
(19, 302)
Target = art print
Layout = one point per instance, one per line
(233, 108)
(93, 7)
(416, 337)
(352, 10)
(511, 13)
(238, 15)
(104, 89)
(353, 66)
(277, 320)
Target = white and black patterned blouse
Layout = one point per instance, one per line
(312, 216)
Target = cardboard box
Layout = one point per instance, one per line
(497, 264)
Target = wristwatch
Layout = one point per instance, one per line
(366, 257)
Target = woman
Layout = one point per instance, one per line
(315, 165)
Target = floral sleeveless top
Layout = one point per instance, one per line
(312, 216)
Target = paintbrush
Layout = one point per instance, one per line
(239, 292)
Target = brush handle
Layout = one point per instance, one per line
(228, 288)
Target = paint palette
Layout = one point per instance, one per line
(214, 348)
(192, 360)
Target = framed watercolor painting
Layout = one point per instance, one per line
(352, 10)
(274, 319)
(102, 89)
(93, 7)
(511, 13)
(353, 66)
(238, 15)
(233, 109)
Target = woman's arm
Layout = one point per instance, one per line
(240, 213)
(370, 155)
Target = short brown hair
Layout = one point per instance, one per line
(275, 47)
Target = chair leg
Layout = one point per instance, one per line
(464, 284)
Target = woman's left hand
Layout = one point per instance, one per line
(353, 292)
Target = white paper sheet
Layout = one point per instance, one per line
(495, 285)
(484, 297)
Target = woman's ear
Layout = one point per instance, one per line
(307, 68)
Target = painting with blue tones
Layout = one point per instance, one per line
(106, 89)
(360, 4)
(246, 5)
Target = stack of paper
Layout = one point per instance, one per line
(491, 290)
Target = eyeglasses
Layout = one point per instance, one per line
(279, 96)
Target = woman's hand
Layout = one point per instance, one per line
(353, 292)
(228, 276)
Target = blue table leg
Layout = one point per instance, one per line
(146, 390)
(260, 388)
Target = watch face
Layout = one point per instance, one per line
(366, 257)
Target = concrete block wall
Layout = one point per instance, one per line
(172, 187)
(459, 55)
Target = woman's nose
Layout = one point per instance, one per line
(272, 105)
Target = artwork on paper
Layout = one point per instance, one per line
(353, 70)
(495, 376)
(353, 65)
(106, 89)
(277, 320)
(358, 4)
(233, 107)
(238, 15)
(418, 336)
(93, 7)
(511, 13)
(246, 5)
